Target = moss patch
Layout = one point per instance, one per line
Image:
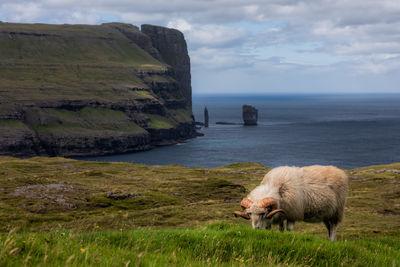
(181, 115)
(101, 120)
(159, 122)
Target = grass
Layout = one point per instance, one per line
(86, 121)
(181, 115)
(216, 244)
(176, 116)
(84, 61)
(71, 44)
(159, 122)
(10, 123)
(56, 211)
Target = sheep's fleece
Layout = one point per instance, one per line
(312, 194)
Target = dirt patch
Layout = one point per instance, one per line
(389, 212)
(48, 197)
(212, 189)
(392, 195)
(120, 195)
(394, 171)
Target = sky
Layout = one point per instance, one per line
(258, 46)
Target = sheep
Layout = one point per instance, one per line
(289, 194)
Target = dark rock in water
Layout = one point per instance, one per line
(250, 115)
(206, 117)
(199, 123)
(226, 123)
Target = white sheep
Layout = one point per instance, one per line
(288, 194)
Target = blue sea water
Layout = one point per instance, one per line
(342, 130)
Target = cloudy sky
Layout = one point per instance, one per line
(258, 46)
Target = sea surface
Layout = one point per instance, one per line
(342, 130)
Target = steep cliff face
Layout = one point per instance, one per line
(91, 90)
(172, 46)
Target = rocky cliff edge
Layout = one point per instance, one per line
(76, 90)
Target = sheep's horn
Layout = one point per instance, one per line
(272, 213)
(242, 214)
(246, 203)
(268, 202)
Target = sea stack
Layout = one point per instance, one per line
(250, 115)
(205, 117)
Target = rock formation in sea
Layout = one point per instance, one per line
(250, 115)
(206, 118)
(226, 123)
(76, 90)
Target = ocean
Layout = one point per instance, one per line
(343, 130)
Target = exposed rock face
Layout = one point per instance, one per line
(133, 33)
(78, 90)
(173, 49)
(250, 115)
(206, 117)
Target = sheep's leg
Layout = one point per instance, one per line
(290, 226)
(331, 230)
(332, 235)
(282, 226)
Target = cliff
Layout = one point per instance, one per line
(92, 89)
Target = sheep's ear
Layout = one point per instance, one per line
(242, 214)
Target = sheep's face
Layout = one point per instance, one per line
(258, 218)
(257, 215)
(261, 213)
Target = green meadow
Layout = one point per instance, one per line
(63, 212)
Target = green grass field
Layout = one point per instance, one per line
(215, 244)
(62, 212)
(41, 62)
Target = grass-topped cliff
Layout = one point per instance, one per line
(52, 76)
(57, 211)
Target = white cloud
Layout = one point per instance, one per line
(20, 12)
(363, 35)
(180, 24)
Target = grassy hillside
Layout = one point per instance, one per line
(89, 44)
(59, 211)
(69, 61)
(52, 75)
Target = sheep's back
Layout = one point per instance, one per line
(325, 190)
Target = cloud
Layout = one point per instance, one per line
(210, 35)
(220, 59)
(284, 38)
(20, 12)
